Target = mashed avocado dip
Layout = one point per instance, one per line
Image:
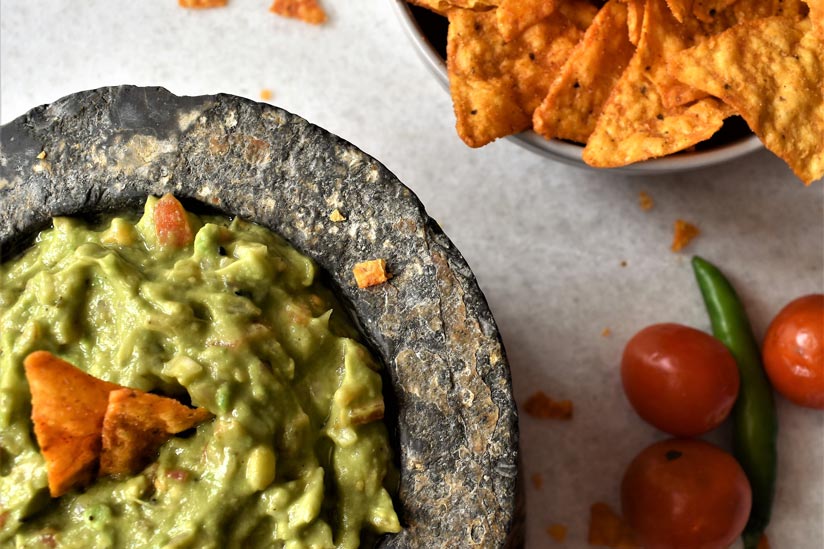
(232, 320)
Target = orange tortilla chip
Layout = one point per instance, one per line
(443, 6)
(515, 16)
(706, 10)
(771, 71)
(136, 425)
(817, 16)
(571, 108)
(635, 19)
(635, 123)
(308, 11)
(666, 37)
(202, 3)
(582, 14)
(680, 8)
(497, 85)
(68, 407)
(716, 18)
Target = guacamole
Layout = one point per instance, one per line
(235, 321)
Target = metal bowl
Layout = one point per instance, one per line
(427, 31)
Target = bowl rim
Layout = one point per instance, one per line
(569, 153)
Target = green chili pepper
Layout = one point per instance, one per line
(756, 425)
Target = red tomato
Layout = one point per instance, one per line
(685, 494)
(679, 379)
(794, 351)
(171, 224)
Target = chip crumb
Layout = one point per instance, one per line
(202, 3)
(683, 234)
(537, 480)
(624, 263)
(541, 406)
(370, 273)
(606, 332)
(557, 532)
(645, 201)
(266, 94)
(608, 529)
(41, 155)
(336, 216)
(308, 11)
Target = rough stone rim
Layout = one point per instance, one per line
(127, 121)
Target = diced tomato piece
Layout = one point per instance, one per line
(171, 224)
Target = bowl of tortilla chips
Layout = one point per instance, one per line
(638, 86)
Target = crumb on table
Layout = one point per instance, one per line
(645, 201)
(336, 216)
(557, 532)
(608, 529)
(308, 11)
(202, 3)
(606, 332)
(683, 233)
(370, 273)
(266, 94)
(541, 406)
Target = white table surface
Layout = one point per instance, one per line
(545, 240)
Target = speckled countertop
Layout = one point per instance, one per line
(561, 253)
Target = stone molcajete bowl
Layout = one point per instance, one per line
(455, 421)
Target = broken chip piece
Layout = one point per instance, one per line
(608, 529)
(370, 273)
(683, 233)
(68, 406)
(137, 424)
(541, 406)
(308, 11)
(202, 3)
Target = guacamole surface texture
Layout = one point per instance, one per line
(234, 321)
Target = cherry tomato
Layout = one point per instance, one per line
(679, 379)
(794, 351)
(685, 494)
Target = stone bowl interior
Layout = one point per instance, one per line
(448, 378)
